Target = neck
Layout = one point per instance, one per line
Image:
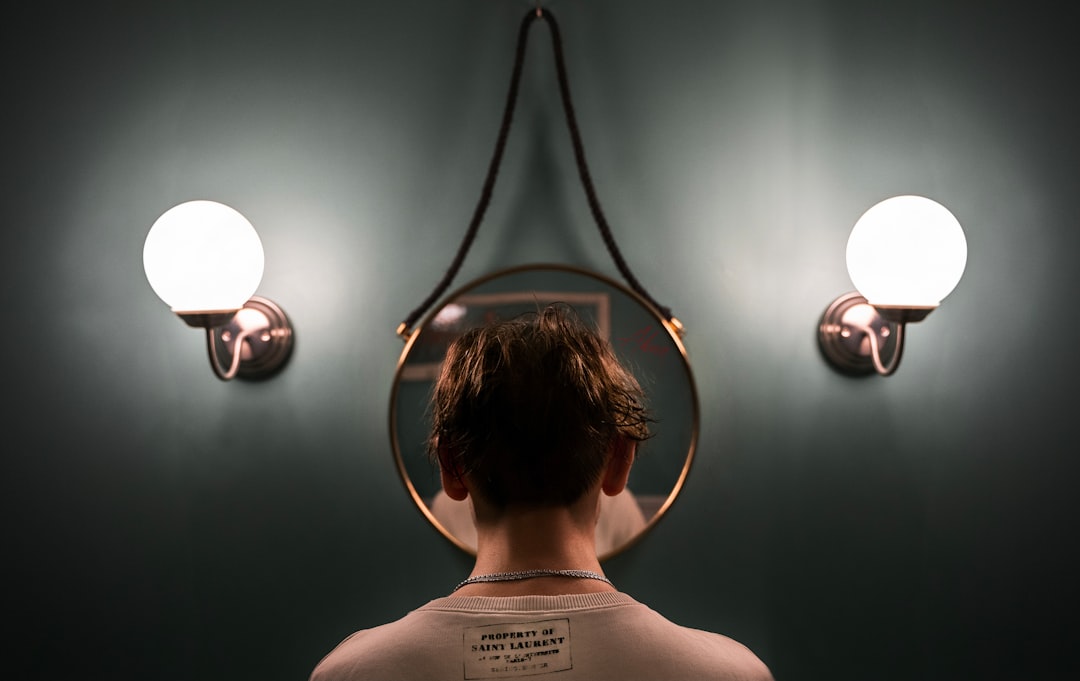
(557, 538)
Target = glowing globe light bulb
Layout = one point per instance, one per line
(203, 256)
(906, 252)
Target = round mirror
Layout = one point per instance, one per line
(645, 342)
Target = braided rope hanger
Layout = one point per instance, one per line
(405, 328)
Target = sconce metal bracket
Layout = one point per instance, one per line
(265, 336)
(844, 336)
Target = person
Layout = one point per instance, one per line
(534, 419)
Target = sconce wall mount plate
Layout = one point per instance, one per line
(265, 336)
(849, 331)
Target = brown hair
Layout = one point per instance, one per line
(528, 408)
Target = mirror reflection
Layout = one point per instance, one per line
(645, 343)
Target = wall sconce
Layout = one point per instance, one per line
(904, 256)
(205, 260)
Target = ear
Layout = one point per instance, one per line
(620, 460)
(452, 481)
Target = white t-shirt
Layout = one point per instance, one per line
(597, 636)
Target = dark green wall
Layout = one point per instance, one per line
(161, 524)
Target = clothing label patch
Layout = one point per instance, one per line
(515, 649)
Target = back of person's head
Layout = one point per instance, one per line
(528, 409)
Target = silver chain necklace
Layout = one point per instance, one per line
(529, 574)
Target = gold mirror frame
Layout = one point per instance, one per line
(412, 368)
